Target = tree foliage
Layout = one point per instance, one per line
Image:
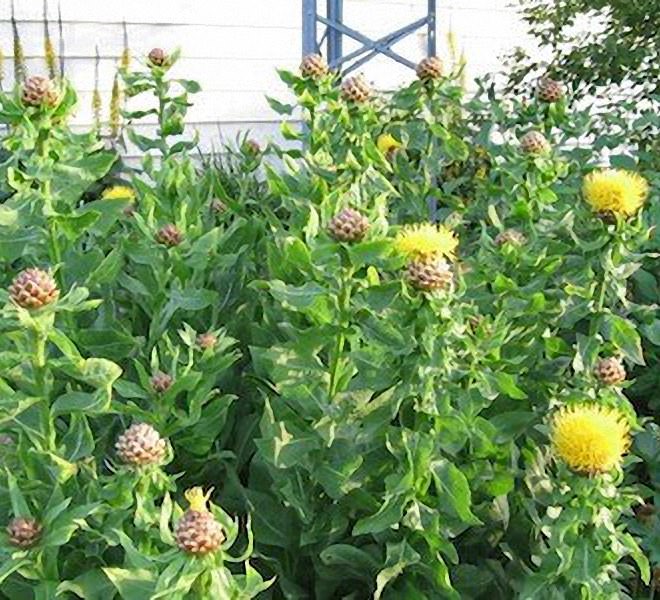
(593, 44)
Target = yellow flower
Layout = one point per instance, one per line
(387, 143)
(481, 173)
(197, 499)
(615, 191)
(426, 240)
(118, 192)
(590, 438)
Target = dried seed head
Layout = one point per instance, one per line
(157, 57)
(348, 226)
(610, 371)
(534, 142)
(140, 445)
(33, 288)
(313, 66)
(510, 236)
(430, 274)
(161, 382)
(429, 68)
(24, 532)
(198, 532)
(355, 89)
(39, 91)
(206, 340)
(169, 235)
(549, 90)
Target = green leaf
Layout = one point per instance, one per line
(289, 133)
(11, 565)
(623, 334)
(510, 425)
(506, 383)
(279, 107)
(81, 402)
(191, 86)
(453, 488)
(90, 585)
(19, 506)
(652, 332)
(132, 584)
(310, 298)
(399, 556)
(388, 515)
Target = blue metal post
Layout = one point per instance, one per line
(335, 12)
(431, 41)
(335, 30)
(309, 14)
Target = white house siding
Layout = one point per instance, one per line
(232, 47)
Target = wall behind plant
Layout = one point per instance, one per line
(232, 47)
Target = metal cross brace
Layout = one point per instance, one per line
(335, 29)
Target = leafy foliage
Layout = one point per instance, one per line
(377, 435)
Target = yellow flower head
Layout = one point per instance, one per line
(118, 192)
(387, 143)
(590, 438)
(197, 499)
(426, 240)
(615, 191)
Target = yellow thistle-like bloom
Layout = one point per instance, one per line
(387, 143)
(118, 192)
(426, 240)
(590, 438)
(615, 191)
(197, 499)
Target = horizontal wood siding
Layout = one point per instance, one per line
(233, 47)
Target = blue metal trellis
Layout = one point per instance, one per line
(335, 29)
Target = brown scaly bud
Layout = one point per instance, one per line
(24, 532)
(140, 445)
(549, 90)
(355, 89)
(251, 147)
(429, 68)
(510, 236)
(157, 57)
(198, 532)
(206, 341)
(534, 142)
(33, 288)
(610, 371)
(169, 235)
(645, 513)
(6, 440)
(39, 91)
(129, 210)
(430, 274)
(348, 226)
(218, 206)
(161, 382)
(313, 66)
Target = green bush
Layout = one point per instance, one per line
(402, 349)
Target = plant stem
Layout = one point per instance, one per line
(344, 300)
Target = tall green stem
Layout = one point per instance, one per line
(344, 302)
